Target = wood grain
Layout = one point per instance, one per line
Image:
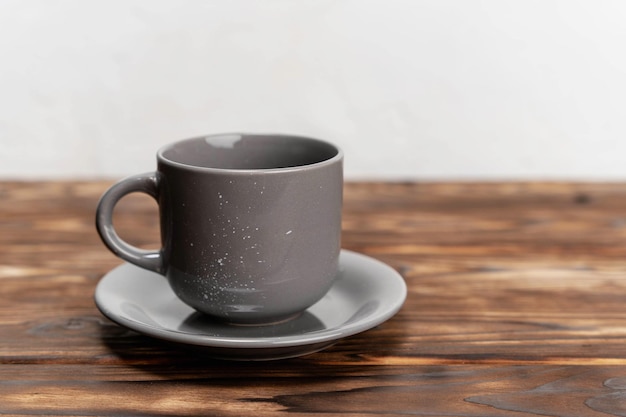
(516, 306)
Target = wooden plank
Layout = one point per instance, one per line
(464, 390)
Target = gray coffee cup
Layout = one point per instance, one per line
(250, 224)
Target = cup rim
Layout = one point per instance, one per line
(247, 171)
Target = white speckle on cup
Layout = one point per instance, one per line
(289, 232)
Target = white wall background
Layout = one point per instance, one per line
(423, 89)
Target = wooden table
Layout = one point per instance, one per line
(516, 306)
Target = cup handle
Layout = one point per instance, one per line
(147, 183)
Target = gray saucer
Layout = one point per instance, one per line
(366, 293)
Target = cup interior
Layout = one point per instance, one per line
(249, 152)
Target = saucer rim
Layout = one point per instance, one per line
(328, 335)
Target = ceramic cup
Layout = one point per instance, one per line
(250, 224)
